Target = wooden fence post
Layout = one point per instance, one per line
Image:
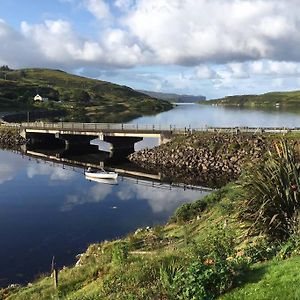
(54, 273)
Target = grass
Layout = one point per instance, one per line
(274, 280)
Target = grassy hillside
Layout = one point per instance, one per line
(84, 99)
(281, 99)
(174, 97)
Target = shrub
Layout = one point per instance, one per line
(217, 241)
(188, 211)
(119, 253)
(169, 268)
(273, 189)
(261, 251)
(290, 247)
(204, 279)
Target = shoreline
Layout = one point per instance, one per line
(207, 159)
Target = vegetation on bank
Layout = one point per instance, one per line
(273, 99)
(82, 98)
(236, 243)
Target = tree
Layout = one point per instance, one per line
(5, 68)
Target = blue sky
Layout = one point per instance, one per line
(209, 47)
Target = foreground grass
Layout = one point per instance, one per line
(272, 280)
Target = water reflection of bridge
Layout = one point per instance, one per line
(127, 172)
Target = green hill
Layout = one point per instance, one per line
(274, 99)
(82, 98)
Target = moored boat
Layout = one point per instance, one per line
(101, 174)
(102, 180)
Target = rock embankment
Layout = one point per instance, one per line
(10, 138)
(209, 159)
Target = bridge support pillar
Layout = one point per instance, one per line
(164, 138)
(42, 139)
(75, 141)
(122, 146)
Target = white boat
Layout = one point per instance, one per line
(101, 174)
(101, 180)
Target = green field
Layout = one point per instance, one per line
(274, 99)
(82, 98)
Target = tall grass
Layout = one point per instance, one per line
(273, 190)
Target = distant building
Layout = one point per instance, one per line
(40, 98)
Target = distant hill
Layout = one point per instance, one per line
(174, 97)
(82, 98)
(275, 99)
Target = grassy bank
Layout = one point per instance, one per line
(276, 279)
(274, 99)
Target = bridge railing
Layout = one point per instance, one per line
(95, 127)
(99, 126)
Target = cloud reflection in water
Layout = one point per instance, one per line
(159, 200)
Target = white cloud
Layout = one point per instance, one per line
(124, 4)
(166, 32)
(98, 8)
(221, 41)
(279, 68)
(238, 70)
(189, 32)
(205, 72)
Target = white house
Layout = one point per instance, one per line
(40, 98)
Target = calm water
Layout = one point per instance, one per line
(201, 115)
(47, 211)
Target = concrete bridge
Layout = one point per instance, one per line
(122, 137)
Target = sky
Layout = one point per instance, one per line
(202, 47)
